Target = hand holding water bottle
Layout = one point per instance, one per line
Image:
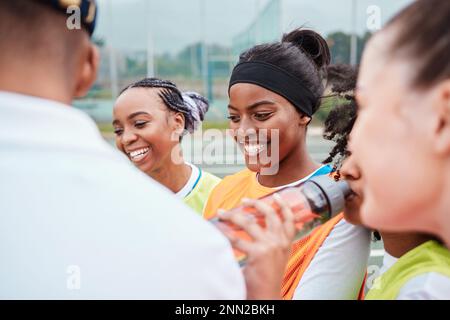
(268, 253)
(262, 231)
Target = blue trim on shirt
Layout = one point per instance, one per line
(196, 181)
(322, 171)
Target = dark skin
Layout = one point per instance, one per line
(253, 108)
(143, 122)
(396, 244)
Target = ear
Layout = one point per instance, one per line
(178, 123)
(441, 103)
(88, 71)
(304, 120)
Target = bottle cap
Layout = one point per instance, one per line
(335, 192)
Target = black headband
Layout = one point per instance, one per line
(277, 80)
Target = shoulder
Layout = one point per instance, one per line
(428, 286)
(117, 207)
(238, 177)
(344, 243)
(226, 190)
(345, 231)
(210, 179)
(339, 264)
(197, 198)
(231, 182)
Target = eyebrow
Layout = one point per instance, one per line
(131, 116)
(254, 105)
(135, 114)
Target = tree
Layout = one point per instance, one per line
(339, 43)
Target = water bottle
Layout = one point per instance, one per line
(312, 202)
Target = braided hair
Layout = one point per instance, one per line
(192, 105)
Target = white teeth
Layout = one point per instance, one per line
(138, 154)
(253, 149)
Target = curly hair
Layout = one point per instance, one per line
(340, 120)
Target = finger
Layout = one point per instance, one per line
(286, 212)
(242, 245)
(273, 221)
(221, 213)
(248, 224)
(288, 216)
(238, 243)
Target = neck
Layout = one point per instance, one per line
(446, 231)
(172, 176)
(35, 79)
(397, 244)
(293, 167)
(443, 222)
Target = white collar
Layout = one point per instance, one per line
(388, 262)
(191, 183)
(295, 182)
(36, 122)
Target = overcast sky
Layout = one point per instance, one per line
(177, 23)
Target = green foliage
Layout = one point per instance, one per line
(222, 125)
(339, 43)
(327, 104)
(135, 68)
(105, 128)
(97, 92)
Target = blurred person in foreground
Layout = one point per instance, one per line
(77, 220)
(404, 83)
(410, 262)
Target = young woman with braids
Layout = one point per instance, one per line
(150, 118)
(274, 90)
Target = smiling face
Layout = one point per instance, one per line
(254, 114)
(146, 131)
(393, 143)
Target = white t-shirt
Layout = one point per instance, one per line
(292, 184)
(427, 286)
(79, 221)
(191, 183)
(338, 268)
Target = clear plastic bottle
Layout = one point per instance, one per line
(313, 203)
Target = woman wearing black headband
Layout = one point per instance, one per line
(274, 91)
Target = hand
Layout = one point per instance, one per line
(268, 253)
